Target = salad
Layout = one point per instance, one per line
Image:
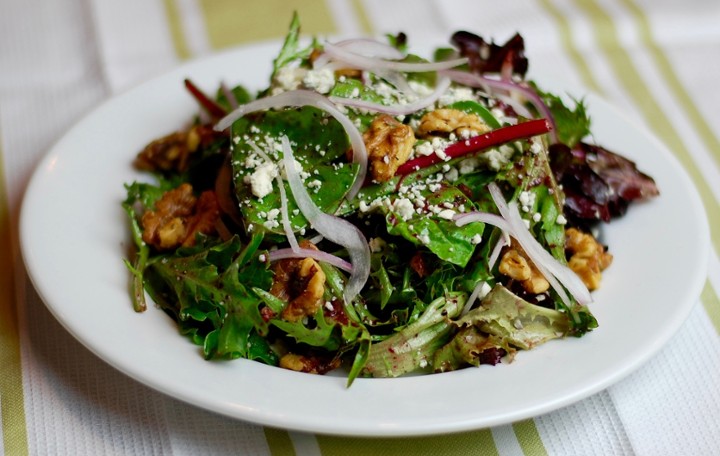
(377, 211)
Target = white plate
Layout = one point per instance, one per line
(74, 236)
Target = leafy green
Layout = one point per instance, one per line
(473, 107)
(140, 197)
(412, 348)
(440, 235)
(291, 50)
(201, 288)
(516, 321)
(572, 124)
(467, 348)
(318, 144)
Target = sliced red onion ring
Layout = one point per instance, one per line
(490, 219)
(399, 81)
(283, 254)
(373, 64)
(495, 254)
(289, 233)
(232, 100)
(493, 85)
(371, 48)
(335, 229)
(398, 109)
(553, 271)
(474, 296)
(308, 98)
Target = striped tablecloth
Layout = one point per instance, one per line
(659, 61)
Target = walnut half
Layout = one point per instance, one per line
(451, 121)
(515, 265)
(389, 144)
(300, 282)
(588, 257)
(178, 217)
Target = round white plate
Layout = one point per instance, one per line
(74, 236)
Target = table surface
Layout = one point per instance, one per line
(655, 60)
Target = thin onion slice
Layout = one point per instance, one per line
(362, 46)
(554, 272)
(477, 291)
(373, 64)
(494, 85)
(489, 219)
(308, 98)
(319, 255)
(398, 109)
(335, 229)
(285, 216)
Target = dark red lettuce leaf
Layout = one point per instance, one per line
(488, 57)
(598, 184)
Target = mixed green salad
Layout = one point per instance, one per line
(374, 210)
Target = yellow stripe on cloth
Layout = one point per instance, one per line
(362, 17)
(568, 44)
(231, 22)
(665, 68)
(12, 406)
(279, 442)
(529, 438)
(709, 298)
(606, 36)
(477, 443)
(176, 30)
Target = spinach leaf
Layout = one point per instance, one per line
(319, 145)
(436, 230)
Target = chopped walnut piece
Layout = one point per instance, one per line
(172, 152)
(389, 144)
(451, 121)
(310, 364)
(587, 257)
(300, 282)
(515, 265)
(178, 217)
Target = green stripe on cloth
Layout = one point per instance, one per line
(711, 302)
(176, 30)
(479, 443)
(362, 17)
(606, 36)
(279, 442)
(231, 22)
(12, 405)
(711, 140)
(568, 44)
(529, 438)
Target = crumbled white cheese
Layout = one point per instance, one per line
(404, 208)
(446, 214)
(424, 148)
(468, 165)
(475, 240)
(536, 147)
(321, 80)
(261, 180)
(484, 290)
(455, 94)
(289, 78)
(561, 220)
(273, 214)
